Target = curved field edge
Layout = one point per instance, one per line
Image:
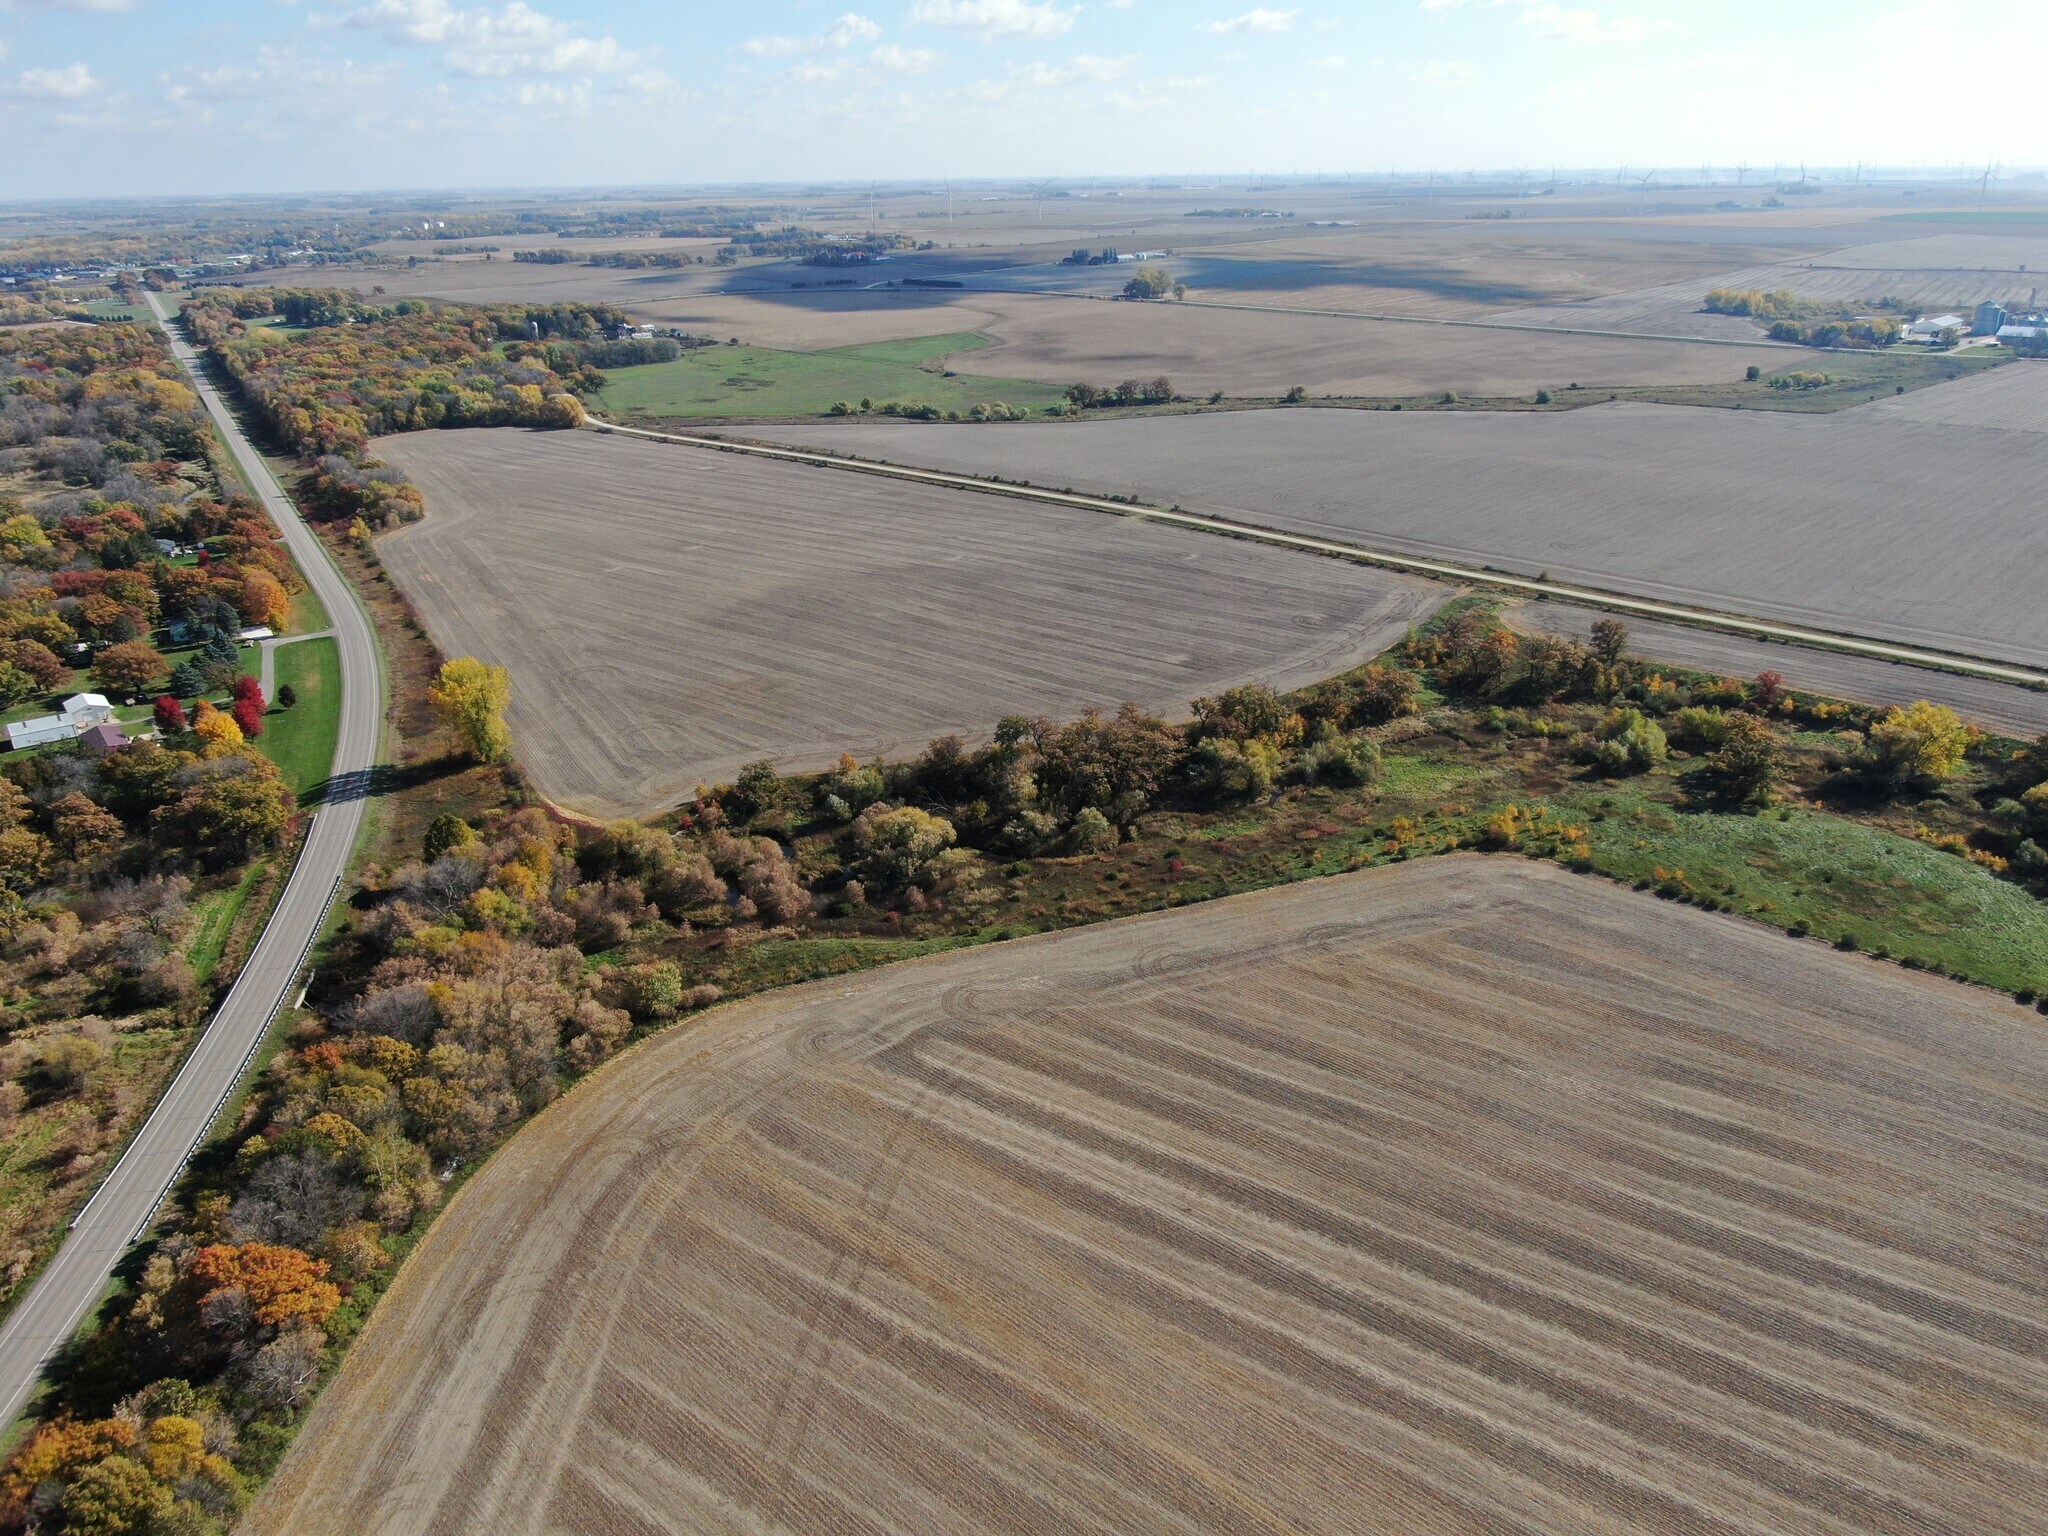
(699, 1251)
(731, 608)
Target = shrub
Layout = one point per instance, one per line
(1341, 763)
(1091, 832)
(1696, 725)
(897, 848)
(1628, 741)
(1231, 772)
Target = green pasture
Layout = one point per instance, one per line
(762, 381)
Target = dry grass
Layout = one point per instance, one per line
(1466, 1196)
(670, 614)
(1924, 532)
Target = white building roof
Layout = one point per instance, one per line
(79, 703)
(2024, 332)
(33, 733)
(256, 632)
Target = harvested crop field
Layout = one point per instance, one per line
(1459, 1196)
(1923, 532)
(671, 614)
(1248, 351)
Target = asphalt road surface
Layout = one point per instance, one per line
(77, 1276)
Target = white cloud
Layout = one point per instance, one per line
(1441, 74)
(1574, 24)
(904, 61)
(842, 34)
(66, 84)
(1329, 61)
(1091, 67)
(1259, 19)
(997, 18)
(487, 43)
(95, 7)
(1579, 25)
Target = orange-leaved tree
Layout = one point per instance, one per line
(284, 1285)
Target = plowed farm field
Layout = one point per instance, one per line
(671, 614)
(1460, 1196)
(1880, 521)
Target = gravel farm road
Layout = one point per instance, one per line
(124, 1205)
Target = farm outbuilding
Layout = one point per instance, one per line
(39, 731)
(80, 712)
(83, 709)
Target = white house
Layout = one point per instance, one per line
(254, 633)
(81, 711)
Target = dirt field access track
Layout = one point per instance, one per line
(1462, 1196)
(670, 614)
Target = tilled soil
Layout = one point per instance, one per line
(670, 614)
(1461, 1196)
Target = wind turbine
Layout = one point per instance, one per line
(1643, 183)
(1984, 183)
(1740, 172)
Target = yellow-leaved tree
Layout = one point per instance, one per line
(471, 696)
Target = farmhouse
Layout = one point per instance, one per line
(81, 712)
(99, 740)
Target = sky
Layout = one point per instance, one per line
(146, 97)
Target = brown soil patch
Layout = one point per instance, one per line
(1467, 1196)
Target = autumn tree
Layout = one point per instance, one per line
(229, 807)
(471, 696)
(216, 729)
(262, 599)
(1916, 745)
(447, 833)
(283, 1285)
(133, 666)
(897, 847)
(81, 832)
(1610, 639)
(248, 717)
(170, 717)
(1149, 283)
(1747, 764)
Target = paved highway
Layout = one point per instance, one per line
(77, 1276)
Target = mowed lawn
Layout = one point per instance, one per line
(300, 740)
(762, 381)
